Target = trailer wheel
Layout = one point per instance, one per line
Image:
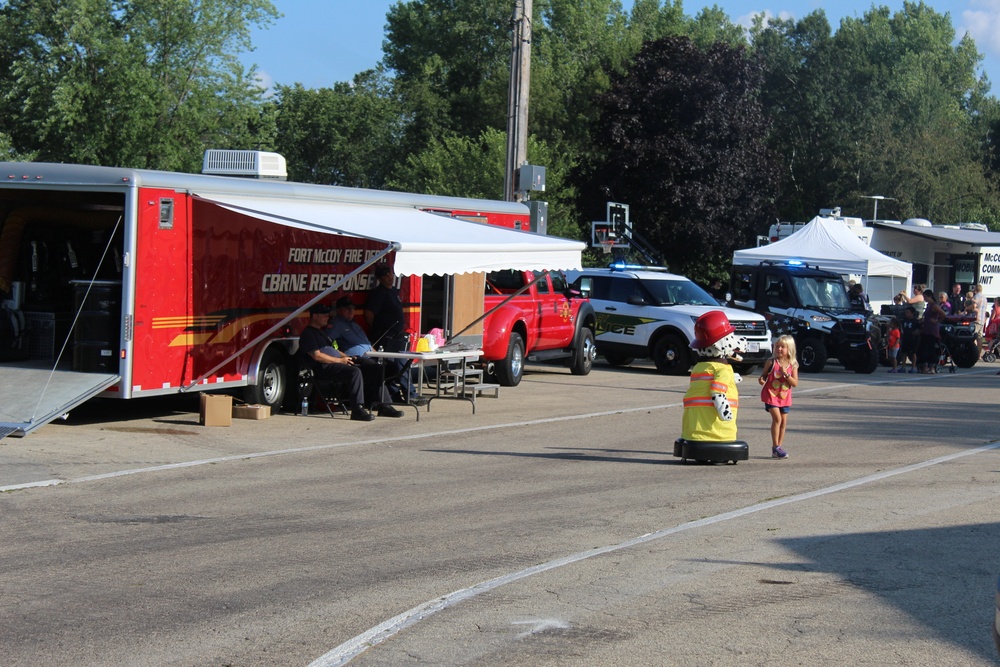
(510, 370)
(584, 354)
(812, 355)
(272, 382)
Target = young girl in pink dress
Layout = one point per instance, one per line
(781, 373)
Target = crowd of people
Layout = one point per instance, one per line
(916, 339)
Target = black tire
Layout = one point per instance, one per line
(744, 369)
(866, 361)
(812, 355)
(584, 354)
(615, 359)
(672, 355)
(510, 370)
(965, 355)
(272, 382)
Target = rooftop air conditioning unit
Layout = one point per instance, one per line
(245, 164)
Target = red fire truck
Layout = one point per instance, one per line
(127, 283)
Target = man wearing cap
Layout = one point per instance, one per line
(352, 341)
(318, 350)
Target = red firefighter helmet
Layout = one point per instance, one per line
(710, 328)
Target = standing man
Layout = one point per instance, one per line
(980, 300)
(859, 300)
(384, 311)
(957, 299)
(319, 353)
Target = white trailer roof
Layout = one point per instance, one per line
(425, 243)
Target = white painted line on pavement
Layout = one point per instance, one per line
(350, 649)
(404, 438)
(315, 448)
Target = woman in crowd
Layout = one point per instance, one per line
(917, 300)
(929, 348)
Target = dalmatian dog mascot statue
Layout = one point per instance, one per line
(712, 401)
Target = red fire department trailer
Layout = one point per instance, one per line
(127, 283)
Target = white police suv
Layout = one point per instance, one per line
(648, 313)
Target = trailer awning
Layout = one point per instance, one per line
(425, 243)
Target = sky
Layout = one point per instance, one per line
(320, 42)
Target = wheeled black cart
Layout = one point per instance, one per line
(711, 452)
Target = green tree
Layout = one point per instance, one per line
(345, 135)
(451, 61)
(140, 83)
(463, 167)
(685, 147)
(890, 104)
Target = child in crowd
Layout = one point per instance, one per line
(909, 330)
(892, 345)
(781, 373)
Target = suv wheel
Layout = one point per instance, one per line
(584, 354)
(671, 355)
(812, 355)
(615, 359)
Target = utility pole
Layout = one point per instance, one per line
(517, 99)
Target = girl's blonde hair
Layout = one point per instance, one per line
(790, 344)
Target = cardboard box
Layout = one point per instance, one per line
(216, 410)
(251, 411)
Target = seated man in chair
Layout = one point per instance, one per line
(352, 341)
(328, 363)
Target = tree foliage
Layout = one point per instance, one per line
(889, 105)
(345, 135)
(140, 83)
(463, 167)
(685, 147)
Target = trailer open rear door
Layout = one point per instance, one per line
(32, 397)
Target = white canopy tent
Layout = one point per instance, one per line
(831, 245)
(424, 243)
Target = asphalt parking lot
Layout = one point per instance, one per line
(552, 527)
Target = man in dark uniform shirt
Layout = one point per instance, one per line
(384, 311)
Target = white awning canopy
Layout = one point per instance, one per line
(425, 243)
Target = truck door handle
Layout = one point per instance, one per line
(610, 308)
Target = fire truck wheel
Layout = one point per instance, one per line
(671, 355)
(584, 354)
(271, 383)
(511, 368)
